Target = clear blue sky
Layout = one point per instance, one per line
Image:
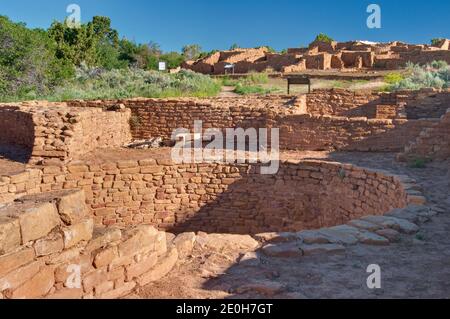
(217, 24)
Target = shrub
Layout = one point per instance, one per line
(97, 83)
(252, 89)
(433, 75)
(28, 62)
(418, 163)
(393, 78)
(436, 41)
(322, 37)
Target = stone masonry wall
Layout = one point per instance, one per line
(49, 248)
(424, 103)
(160, 117)
(313, 133)
(432, 143)
(59, 132)
(227, 198)
(16, 127)
(20, 184)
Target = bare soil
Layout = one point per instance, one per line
(416, 267)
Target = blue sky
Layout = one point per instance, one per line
(216, 24)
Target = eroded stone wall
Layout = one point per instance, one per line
(49, 131)
(16, 127)
(424, 103)
(49, 248)
(433, 143)
(319, 133)
(217, 197)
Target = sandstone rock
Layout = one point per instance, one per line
(19, 276)
(38, 222)
(346, 229)
(184, 244)
(102, 237)
(66, 294)
(36, 287)
(250, 259)
(219, 242)
(369, 238)
(93, 279)
(105, 256)
(417, 200)
(103, 287)
(9, 234)
(287, 250)
(52, 244)
(135, 270)
(169, 238)
(162, 268)
(413, 216)
(365, 225)
(140, 238)
(392, 235)
(398, 224)
(316, 249)
(78, 232)
(339, 237)
(65, 256)
(15, 260)
(313, 237)
(72, 207)
(276, 237)
(119, 292)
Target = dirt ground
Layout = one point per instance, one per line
(416, 267)
(12, 160)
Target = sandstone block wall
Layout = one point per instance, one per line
(20, 184)
(216, 197)
(424, 103)
(315, 132)
(432, 143)
(50, 131)
(16, 127)
(160, 117)
(49, 248)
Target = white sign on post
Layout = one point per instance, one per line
(162, 66)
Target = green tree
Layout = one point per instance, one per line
(192, 51)
(234, 46)
(173, 59)
(28, 61)
(88, 43)
(322, 37)
(436, 41)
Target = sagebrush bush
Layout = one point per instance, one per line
(433, 75)
(96, 83)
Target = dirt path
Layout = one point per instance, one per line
(416, 267)
(228, 91)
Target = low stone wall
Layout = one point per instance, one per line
(313, 133)
(298, 130)
(160, 117)
(16, 128)
(433, 143)
(424, 103)
(49, 248)
(228, 198)
(324, 120)
(20, 184)
(49, 131)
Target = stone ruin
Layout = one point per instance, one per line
(123, 218)
(343, 56)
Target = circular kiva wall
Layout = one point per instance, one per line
(229, 198)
